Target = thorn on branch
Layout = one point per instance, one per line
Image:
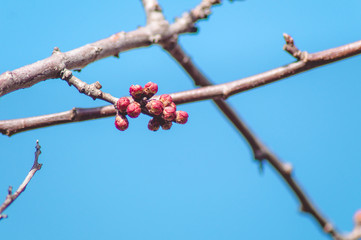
(10, 190)
(55, 50)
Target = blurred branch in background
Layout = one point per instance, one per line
(11, 197)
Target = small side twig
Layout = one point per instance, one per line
(10, 198)
(291, 48)
(92, 90)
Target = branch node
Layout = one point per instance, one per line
(155, 38)
(259, 154)
(287, 168)
(10, 190)
(66, 74)
(328, 228)
(55, 50)
(73, 114)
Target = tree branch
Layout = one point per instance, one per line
(10, 198)
(78, 58)
(10, 127)
(260, 151)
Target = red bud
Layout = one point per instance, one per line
(134, 110)
(155, 107)
(166, 125)
(169, 113)
(136, 91)
(150, 89)
(166, 99)
(182, 117)
(153, 124)
(121, 122)
(122, 104)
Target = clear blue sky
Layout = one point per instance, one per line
(197, 181)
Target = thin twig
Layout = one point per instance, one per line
(78, 58)
(10, 198)
(260, 151)
(10, 127)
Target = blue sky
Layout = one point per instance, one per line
(196, 181)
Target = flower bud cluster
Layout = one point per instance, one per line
(164, 110)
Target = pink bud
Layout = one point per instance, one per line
(136, 91)
(357, 217)
(182, 117)
(166, 99)
(121, 122)
(153, 124)
(155, 107)
(166, 125)
(169, 113)
(122, 104)
(134, 110)
(150, 89)
(172, 104)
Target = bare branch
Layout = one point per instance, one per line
(10, 198)
(80, 57)
(9, 127)
(260, 151)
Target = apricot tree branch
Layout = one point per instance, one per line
(260, 151)
(78, 58)
(10, 198)
(10, 127)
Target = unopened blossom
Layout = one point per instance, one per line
(166, 99)
(136, 91)
(134, 110)
(155, 107)
(182, 117)
(166, 125)
(153, 124)
(121, 122)
(122, 104)
(169, 113)
(150, 89)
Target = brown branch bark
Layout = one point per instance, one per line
(11, 197)
(222, 91)
(260, 151)
(78, 58)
